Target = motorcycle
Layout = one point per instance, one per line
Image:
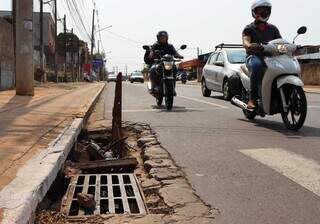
(184, 77)
(281, 89)
(166, 78)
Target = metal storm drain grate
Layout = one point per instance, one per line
(113, 193)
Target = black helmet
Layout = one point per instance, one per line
(162, 34)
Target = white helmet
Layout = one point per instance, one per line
(261, 3)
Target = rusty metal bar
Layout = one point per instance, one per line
(117, 117)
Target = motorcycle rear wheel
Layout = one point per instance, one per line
(296, 115)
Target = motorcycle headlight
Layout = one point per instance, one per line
(283, 48)
(168, 65)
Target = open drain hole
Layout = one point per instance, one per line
(115, 179)
(77, 191)
(74, 209)
(104, 206)
(118, 205)
(129, 191)
(92, 180)
(104, 191)
(116, 191)
(126, 179)
(134, 207)
(80, 180)
(92, 190)
(104, 180)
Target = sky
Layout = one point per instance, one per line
(202, 23)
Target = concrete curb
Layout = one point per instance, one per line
(312, 91)
(20, 198)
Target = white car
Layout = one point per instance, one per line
(136, 77)
(222, 67)
(112, 77)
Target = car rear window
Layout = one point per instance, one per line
(236, 56)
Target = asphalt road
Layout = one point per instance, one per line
(253, 172)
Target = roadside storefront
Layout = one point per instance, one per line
(195, 66)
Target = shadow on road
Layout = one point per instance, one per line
(279, 127)
(218, 97)
(175, 109)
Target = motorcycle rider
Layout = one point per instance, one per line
(253, 36)
(163, 47)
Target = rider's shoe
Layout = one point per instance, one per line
(251, 105)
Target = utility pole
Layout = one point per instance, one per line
(41, 47)
(92, 39)
(98, 46)
(65, 47)
(56, 40)
(72, 55)
(24, 47)
(198, 68)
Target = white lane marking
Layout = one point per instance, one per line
(205, 102)
(314, 106)
(160, 109)
(303, 171)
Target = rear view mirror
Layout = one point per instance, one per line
(302, 30)
(146, 47)
(183, 47)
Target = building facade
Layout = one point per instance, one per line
(7, 75)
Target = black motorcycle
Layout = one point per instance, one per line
(166, 69)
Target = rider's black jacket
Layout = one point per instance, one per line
(164, 49)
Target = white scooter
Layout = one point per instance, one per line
(281, 90)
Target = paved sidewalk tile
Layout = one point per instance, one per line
(29, 124)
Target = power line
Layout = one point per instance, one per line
(124, 37)
(80, 18)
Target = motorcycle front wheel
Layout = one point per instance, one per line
(169, 96)
(159, 99)
(296, 114)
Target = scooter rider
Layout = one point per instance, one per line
(164, 48)
(253, 36)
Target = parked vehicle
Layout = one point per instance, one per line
(136, 77)
(182, 76)
(281, 88)
(166, 75)
(112, 77)
(222, 66)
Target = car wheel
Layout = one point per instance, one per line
(226, 91)
(205, 91)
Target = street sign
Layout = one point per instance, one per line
(97, 63)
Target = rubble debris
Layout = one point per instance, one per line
(86, 201)
(95, 151)
(80, 153)
(70, 172)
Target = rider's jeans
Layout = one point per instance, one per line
(255, 66)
